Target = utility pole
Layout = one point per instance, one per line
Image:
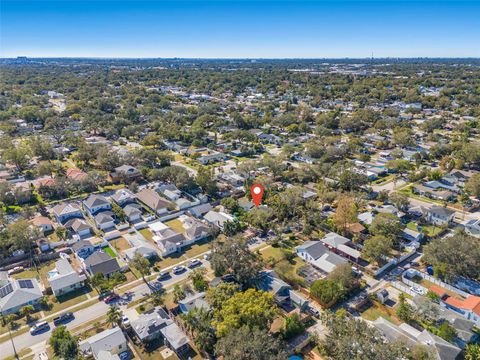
(10, 334)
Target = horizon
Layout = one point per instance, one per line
(239, 29)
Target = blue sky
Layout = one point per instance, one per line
(233, 29)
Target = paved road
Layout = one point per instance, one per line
(93, 312)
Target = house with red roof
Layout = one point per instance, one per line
(75, 174)
(469, 307)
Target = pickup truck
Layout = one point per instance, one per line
(63, 318)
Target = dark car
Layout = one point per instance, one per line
(111, 298)
(164, 275)
(194, 263)
(63, 318)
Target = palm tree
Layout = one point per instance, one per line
(157, 297)
(26, 311)
(114, 315)
(142, 265)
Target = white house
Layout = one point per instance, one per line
(105, 345)
(96, 203)
(439, 215)
(64, 279)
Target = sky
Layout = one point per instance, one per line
(239, 29)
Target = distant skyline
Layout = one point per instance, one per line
(239, 29)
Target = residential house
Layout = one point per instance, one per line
(83, 249)
(79, 227)
(441, 349)
(168, 240)
(468, 308)
(76, 175)
(194, 230)
(101, 262)
(317, 254)
(411, 235)
(472, 227)
(382, 295)
(43, 223)
(15, 294)
(125, 173)
(66, 211)
(196, 300)
(95, 204)
(439, 215)
(339, 245)
(155, 324)
(458, 177)
(211, 156)
(139, 245)
(284, 295)
(133, 212)
(106, 345)
(152, 200)
(123, 197)
(218, 219)
(105, 220)
(64, 279)
(200, 210)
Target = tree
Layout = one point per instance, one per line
(252, 308)
(61, 232)
(114, 315)
(446, 331)
(400, 166)
(197, 277)
(472, 352)
(348, 338)
(400, 200)
(377, 248)
(17, 155)
(292, 327)
(250, 344)
(26, 311)
(178, 293)
(404, 310)
(205, 179)
(232, 255)
(387, 225)
(22, 235)
(198, 321)
(446, 253)
(142, 265)
(326, 291)
(118, 211)
(345, 213)
(64, 344)
(350, 180)
(218, 295)
(157, 298)
(473, 185)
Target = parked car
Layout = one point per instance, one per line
(313, 311)
(63, 318)
(111, 298)
(194, 263)
(39, 327)
(418, 290)
(179, 269)
(163, 275)
(125, 321)
(15, 270)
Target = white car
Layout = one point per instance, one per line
(179, 269)
(125, 321)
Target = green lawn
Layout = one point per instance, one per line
(176, 225)
(110, 251)
(376, 310)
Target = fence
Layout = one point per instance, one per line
(394, 262)
(437, 282)
(398, 285)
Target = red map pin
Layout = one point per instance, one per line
(257, 193)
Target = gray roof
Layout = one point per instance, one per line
(175, 336)
(269, 281)
(101, 262)
(442, 349)
(194, 301)
(104, 217)
(150, 322)
(104, 341)
(66, 276)
(77, 224)
(123, 195)
(314, 248)
(65, 208)
(15, 293)
(201, 209)
(151, 198)
(81, 244)
(442, 211)
(132, 209)
(95, 200)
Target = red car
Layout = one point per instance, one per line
(111, 298)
